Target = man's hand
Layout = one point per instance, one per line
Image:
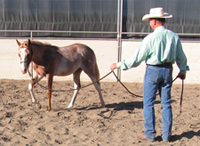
(113, 66)
(181, 76)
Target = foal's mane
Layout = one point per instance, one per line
(44, 45)
(40, 43)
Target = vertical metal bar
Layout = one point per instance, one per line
(119, 34)
(31, 35)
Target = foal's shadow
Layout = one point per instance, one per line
(115, 106)
(125, 105)
(119, 106)
(128, 105)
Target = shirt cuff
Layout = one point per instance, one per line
(119, 64)
(184, 71)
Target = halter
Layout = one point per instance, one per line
(23, 61)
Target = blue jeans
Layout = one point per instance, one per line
(157, 78)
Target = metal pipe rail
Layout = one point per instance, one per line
(93, 32)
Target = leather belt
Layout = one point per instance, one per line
(163, 65)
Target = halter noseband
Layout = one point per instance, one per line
(23, 61)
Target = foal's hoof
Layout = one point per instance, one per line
(69, 107)
(103, 104)
(39, 106)
(48, 110)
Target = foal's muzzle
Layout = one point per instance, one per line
(24, 66)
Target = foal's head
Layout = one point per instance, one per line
(25, 55)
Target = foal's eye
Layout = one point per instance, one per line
(19, 56)
(28, 54)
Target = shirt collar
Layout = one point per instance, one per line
(160, 28)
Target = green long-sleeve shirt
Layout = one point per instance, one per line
(160, 46)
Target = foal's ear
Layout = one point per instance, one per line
(29, 42)
(19, 44)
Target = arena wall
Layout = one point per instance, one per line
(106, 52)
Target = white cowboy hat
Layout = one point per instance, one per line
(156, 13)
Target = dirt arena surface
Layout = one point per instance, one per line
(87, 124)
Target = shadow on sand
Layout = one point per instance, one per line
(119, 106)
(188, 134)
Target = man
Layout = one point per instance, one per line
(160, 50)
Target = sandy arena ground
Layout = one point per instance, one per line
(87, 124)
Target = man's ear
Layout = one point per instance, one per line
(154, 21)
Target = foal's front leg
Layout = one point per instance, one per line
(35, 80)
(49, 88)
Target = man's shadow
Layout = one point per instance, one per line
(189, 135)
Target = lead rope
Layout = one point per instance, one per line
(69, 89)
(181, 98)
(125, 86)
(117, 80)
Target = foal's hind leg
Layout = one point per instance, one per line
(30, 87)
(77, 87)
(98, 88)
